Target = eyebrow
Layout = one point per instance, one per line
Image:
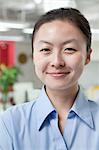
(46, 42)
(69, 41)
(65, 42)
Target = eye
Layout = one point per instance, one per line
(45, 50)
(70, 50)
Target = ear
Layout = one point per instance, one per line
(88, 56)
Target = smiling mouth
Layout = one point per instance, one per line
(58, 74)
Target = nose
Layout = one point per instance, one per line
(57, 61)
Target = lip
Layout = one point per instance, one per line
(58, 74)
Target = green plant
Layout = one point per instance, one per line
(8, 76)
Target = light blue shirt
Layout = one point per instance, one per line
(34, 126)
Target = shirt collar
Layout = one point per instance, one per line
(82, 108)
(44, 108)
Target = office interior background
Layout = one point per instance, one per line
(17, 19)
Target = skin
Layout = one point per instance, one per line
(60, 57)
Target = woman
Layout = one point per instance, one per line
(62, 118)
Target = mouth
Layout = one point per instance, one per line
(58, 74)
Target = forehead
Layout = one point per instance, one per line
(57, 28)
(56, 22)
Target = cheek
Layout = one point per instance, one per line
(79, 67)
(78, 63)
(39, 63)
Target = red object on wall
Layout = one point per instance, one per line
(7, 53)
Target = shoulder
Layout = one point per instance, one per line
(18, 113)
(15, 123)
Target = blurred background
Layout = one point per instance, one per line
(17, 19)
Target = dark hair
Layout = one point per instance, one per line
(71, 14)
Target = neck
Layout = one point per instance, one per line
(62, 100)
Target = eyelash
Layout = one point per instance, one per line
(70, 50)
(45, 49)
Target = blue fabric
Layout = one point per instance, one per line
(34, 126)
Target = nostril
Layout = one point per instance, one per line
(58, 65)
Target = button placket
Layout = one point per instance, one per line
(57, 136)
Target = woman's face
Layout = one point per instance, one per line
(59, 54)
